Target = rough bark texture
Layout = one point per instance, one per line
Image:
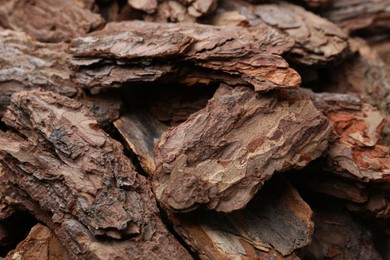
(139, 52)
(223, 154)
(58, 155)
(27, 64)
(382, 47)
(278, 219)
(48, 20)
(81, 244)
(41, 244)
(173, 10)
(356, 154)
(354, 15)
(365, 74)
(317, 41)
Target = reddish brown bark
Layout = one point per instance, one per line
(48, 20)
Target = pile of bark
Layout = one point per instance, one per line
(203, 129)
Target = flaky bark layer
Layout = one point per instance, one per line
(48, 20)
(356, 154)
(317, 41)
(136, 52)
(223, 154)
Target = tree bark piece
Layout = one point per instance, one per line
(81, 244)
(365, 74)
(338, 236)
(354, 15)
(173, 10)
(48, 20)
(60, 157)
(278, 219)
(42, 244)
(317, 41)
(114, 56)
(224, 153)
(28, 64)
(356, 154)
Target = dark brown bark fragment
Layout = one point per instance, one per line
(224, 153)
(48, 20)
(27, 64)
(278, 219)
(317, 41)
(58, 155)
(353, 15)
(338, 236)
(136, 52)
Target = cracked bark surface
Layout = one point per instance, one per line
(273, 226)
(354, 15)
(27, 64)
(221, 156)
(234, 55)
(56, 153)
(317, 41)
(48, 20)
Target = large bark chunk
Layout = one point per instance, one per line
(48, 20)
(60, 157)
(27, 64)
(223, 154)
(353, 15)
(317, 41)
(41, 244)
(278, 219)
(143, 52)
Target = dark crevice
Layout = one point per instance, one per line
(14, 229)
(168, 224)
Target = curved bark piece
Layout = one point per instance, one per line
(116, 55)
(27, 64)
(356, 154)
(278, 219)
(317, 41)
(354, 15)
(224, 153)
(79, 175)
(48, 20)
